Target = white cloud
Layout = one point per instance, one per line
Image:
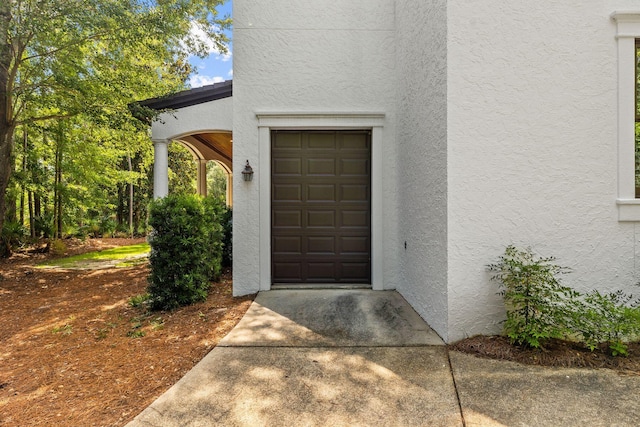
(198, 80)
(230, 73)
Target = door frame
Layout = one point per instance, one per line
(268, 121)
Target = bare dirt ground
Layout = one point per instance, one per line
(75, 352)
(556, 353)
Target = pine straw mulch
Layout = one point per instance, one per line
(75, 352)
(556, 353)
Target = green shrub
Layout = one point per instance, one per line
(12, 235)
(227, 239)
(537, 304)
(608, 319)
(539, 307)
(57, 247)
(185, 250)
(214, 210)
(43, 226)
(138, 300)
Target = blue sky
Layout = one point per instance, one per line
(216, 67)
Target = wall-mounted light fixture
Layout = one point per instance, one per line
(247, 173)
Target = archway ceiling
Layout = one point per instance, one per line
(213, 146)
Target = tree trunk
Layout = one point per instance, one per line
(130, 197)
(32, 222)
(6, 137)
(57, 197)
(7, 125)
(24, 174)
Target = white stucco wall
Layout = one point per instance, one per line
(499, 128)
(294, 57)
(422, 162)
(532, 155)
(210, 116)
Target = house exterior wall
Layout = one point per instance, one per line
(421, 54)
(532, 155)
(308, 57)
(499, 128)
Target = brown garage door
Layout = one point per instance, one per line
(321, 206)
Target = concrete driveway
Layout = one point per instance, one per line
(365, 358)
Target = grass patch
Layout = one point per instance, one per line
(114, 254)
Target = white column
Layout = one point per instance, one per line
(202, 177)
(229, 189)
(160, 168)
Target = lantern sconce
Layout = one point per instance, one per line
(247, 173)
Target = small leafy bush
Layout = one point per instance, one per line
(138, 300)
(57, 247)
(186, 249)
(540, 308)
(536, 301)
(609, 318)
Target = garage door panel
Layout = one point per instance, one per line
(287, 166)
(321, 167)
(288, 141)
(321, 207)
(354, 271)
(289, 245)
(350, 245)
(321, 245)
(321, 272)
(287, 192)
(287, 219)
(354, 167)
(288, 271)
(321, 192)
(354, 193)
(355, 142)
(321, 219)
(355, 219)
(321, 141)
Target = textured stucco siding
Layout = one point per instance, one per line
(532, 126)
(422, 160)
(500, 128)
(295, 57)
(209, 116)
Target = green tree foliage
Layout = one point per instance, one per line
(216, 181)
(182, 170)
(186, 249)
(68, 71)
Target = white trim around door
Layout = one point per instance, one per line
(268, 121)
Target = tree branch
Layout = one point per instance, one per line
(44, 118)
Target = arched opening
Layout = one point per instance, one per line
(212, 152)
(219, 181)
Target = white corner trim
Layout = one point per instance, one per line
(628, 209)
(312, 120)
(628, 29)
(268, 121)
(628, 23)
(625, 15)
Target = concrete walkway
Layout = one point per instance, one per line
(365, 358)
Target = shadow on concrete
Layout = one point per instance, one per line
(331, 318)
(365, 358)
